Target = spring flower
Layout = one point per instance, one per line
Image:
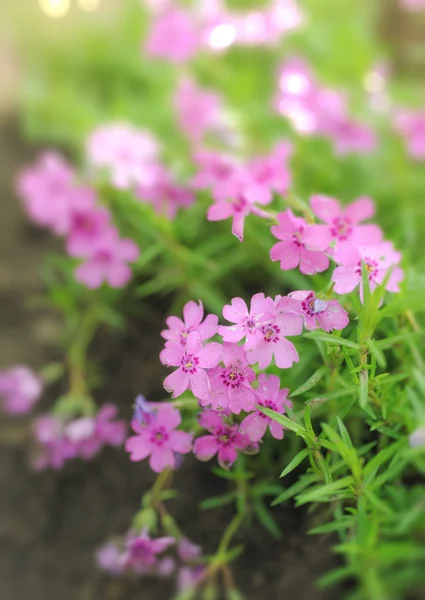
(231, 385)
(301, 244)
(159, 439)
(173, 36)
(87, 222)
(270, 396)
(412, 5)
(165, 194)
(141, 552)
(144, 411)
(224, 440)
(45, 189)
(199, 111)
(349, 136)
(193, 320)
(378, 260)
(272, 171)
(107, 261)
(237, 197)
(417, 438)
(344, 224)
(192, 361)
(20, 389)
(247, 323)
(109, 558)
(54, 448)
(273, 342)
(213, 168)
(128, 154)
(188, 551)
(316, 312)
(411, 125)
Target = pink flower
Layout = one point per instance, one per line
(107, 261)
(45, 189)
(87, 222)
(231, 385)
(54, 448)
(417, 438)
(412, 5)
(274, 343)
(110, 559)
(302, 244)
(344, 224)
(349, 136)
(164, 194)
(141, 552)
(173, 36)
(198, 110)
(316, 312)
(129, 155)
(20, 389)
(378, 260)
(214, 168)
(224, 440)
(272, 171)
(270, 396)
(247, 323)
(192, 361)
(193, 320)
(159, 439)
(237, 197)
(411, 125)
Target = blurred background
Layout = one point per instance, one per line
(65, 67)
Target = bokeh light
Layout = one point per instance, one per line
(90, 5)
(55, 9)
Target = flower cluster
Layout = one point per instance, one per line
(222, 378)
(60, 440)
(315, 110)
(20, 389)
(54, 198)
(212, 26)
(411, 126)
(242, 189)
(341, 236)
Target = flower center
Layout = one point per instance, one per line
(250, 324)
(232, 377)
(371, 267)
(189, 363)
(341, 229)
(296, 237)
(271, 333)
(226, 436)
(267, 404)
(313, 306)
(159, 436)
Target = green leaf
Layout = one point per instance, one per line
(267, 521)
(376, 351)
(340, 525)
(363, 388)
(317, 376)
(324, 492)
(332, 339)
(217, 501)
(295, 462)
(283, 420)
(335, 576)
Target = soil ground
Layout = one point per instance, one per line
(51, 523)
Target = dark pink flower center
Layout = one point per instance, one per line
(297, 236)
(313, 306)
(103, 256)
(232, 377)
(159, 436)
(341, 228)
(83, 222)
(371, 268)
(141, 553)
(250, 324)
(239, 204)
(226, 436)
(189, 363)
(268, 404)
(271, 333)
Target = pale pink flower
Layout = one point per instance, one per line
(87, 222)
(411, 125)
(270, 396)
(272, 171)
(193, 320)
(173, 36)
(316, 312)
(344, 223)
(140, 554)
(231, 385)
(417, 438)
(107, 261)
(349, 136)
(45, 189)
(109, 558)
(237, 197)
(165, 194)
(213, 168)
(199, 110)
(159, 439)
(273, 341)
(412, 5)
(247, 323)
(129, 155)
(20, 389)
(301, 244)
(192, 361)
(224, 440)
(378, 261)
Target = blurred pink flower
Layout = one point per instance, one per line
(164, 194)
(173, 36)
(411, 125)
(272, 171)
(20, 389)
(87, 222)
(129, 155)
(106, 261)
